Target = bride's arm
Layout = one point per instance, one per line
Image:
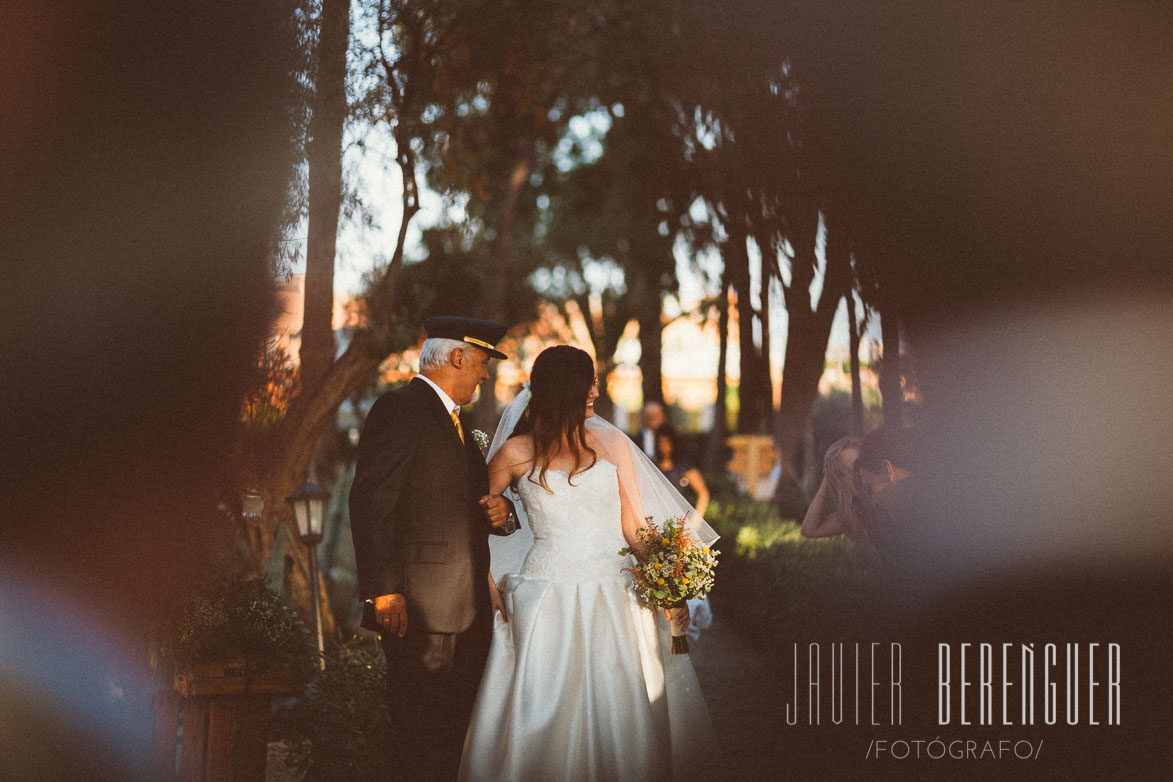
(631, 521)
(511, 461)
(500, 475)
(631, 508)
(618, 451)
(506, 466)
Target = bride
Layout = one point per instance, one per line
(580, 683)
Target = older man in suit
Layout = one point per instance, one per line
(421, 514)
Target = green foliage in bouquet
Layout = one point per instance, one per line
(337, 729)
(232, 618)
(673, 567)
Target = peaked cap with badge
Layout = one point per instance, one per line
(485, 334)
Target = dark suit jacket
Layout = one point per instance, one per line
(417, 528)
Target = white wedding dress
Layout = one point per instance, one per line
(580, 683)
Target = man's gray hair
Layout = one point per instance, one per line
(437, 351)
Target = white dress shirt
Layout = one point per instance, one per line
(649, 443)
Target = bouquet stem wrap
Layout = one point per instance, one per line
(679, 640)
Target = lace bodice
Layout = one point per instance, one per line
(577, 528)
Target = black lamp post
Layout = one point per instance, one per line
(308, 502)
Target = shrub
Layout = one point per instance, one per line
(779, 586)
(337, 729)
(722, 487)
(231, 617)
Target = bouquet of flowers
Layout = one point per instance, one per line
(671, 569)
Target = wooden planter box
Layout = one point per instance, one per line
(224, 719)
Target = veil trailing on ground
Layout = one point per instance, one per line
(645, 489)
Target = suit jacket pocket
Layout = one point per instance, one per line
(430, 553)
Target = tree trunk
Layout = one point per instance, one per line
(714, 449)
(650, 349)
(312, 410)
(805, 359)
(807, 449)
(289, 453)
(855, 329)
(806, 340)
(647, 309)
(308, 417)
(890, 390)
(751, 413)
(766, 379)
(485, 414)
(498, 271)
(602, 327)
(325, 193)
(277, 466)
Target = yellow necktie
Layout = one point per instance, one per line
(459, 428)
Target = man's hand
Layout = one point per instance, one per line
(495, 508)
(391, 613)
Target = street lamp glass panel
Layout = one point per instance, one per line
(301, 512)
(308, 502)
(253, 505)
(317, 515)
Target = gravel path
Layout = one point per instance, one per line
(275, 770)
(738, 690)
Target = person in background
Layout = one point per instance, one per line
(652, 418)
(833, 509)
(886, 486)
(867, 490)
(682, 472)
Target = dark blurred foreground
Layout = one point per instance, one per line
(145, 159)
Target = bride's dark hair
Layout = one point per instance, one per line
(560, 382)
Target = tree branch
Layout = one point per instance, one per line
(308, 418)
